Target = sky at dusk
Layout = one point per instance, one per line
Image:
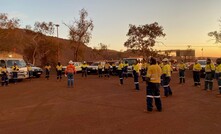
(185, 22)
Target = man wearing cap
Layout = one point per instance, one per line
(153, 85)
(166, 76)
(84, 69)
(69, 72)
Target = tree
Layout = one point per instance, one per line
(39, 40)
(216, 35)
(142, 38)
(6, 23)
(80, 32)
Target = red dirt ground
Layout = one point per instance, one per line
(100, 106)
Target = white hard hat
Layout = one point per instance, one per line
(84, 62)
(70, 62)
(165, 59)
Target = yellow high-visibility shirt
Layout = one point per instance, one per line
(4, 70)
(15, 68)
(209, 67)
(154, 73)
(167, 70)
(106, 65)
(197, 67)
(120, 66)
(48, 67)
(181, 66)
(59, 68)
(136, 68)
(29, 68)
(218, 70)
(100, 66)
(84, 66)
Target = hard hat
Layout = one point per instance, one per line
(84, 62)
(70, 62)
(165, 59)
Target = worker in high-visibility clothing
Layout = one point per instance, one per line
(166, 76)
(15, 70)
(154, 73)
(120, 72)
(84, 69)
(182, 67)
(30, 72)
(218, 70)
(136, 75)
(125, 69)
(59, 71)
(69, 73)
(47, 71)
(106, 69)
(4, 74)
(196, 73)
(210, 72)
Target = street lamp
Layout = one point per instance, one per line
(57, 25)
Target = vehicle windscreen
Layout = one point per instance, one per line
(20, 63)
(94, 64)
(130, 61)
(202, 62)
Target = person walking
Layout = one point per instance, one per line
(47, 71)
(84, 69)
(210, 72)
(218, 70)
(136, 75)
(125, 69)
(153, 86)
(15, 70)
(166, 76)
(4, 75)
(120, 72)
(196, 73)
(182, 67)
(59, 71)
(69, 72)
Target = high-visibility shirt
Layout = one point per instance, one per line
(70, 69)
(84, 66)
(48, 67)
(113, 65)
(167, 70)
(209, 67)
(197, 67)
(15, 68)
(100, 66)
(59, 68)
(106, 65)
(161, 65)
(144, 66)
(136, 68)
(126, 64)
(218, 70)
(154, 73)
(120, 66)
(4, 70)
(181, 66)
(29, 68)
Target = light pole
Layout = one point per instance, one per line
(57, 25)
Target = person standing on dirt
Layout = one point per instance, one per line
(196, 73)
(144, 70)
(210, 72)
(69, 72)
(136, 75)
(125, 69)
(166, 77)
(120, 72)
(106, 69)
(182, 68)
(84, 69)
(47, 71)
(153, 85)
(4, 76)
(15, 70)
(100, 70)
(114, 69)
(218, 70)
(59, 71)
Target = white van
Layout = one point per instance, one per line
(131, 61)
(9, 62)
